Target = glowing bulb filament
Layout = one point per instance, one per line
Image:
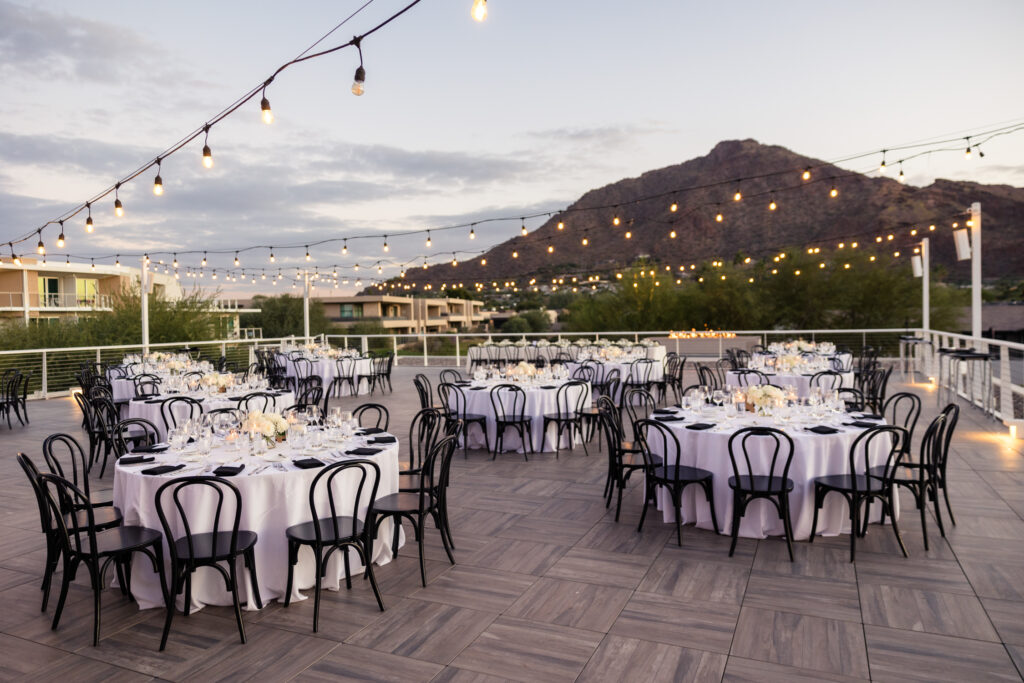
(479, 10)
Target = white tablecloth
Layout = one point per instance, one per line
(272, 501)
(801, 382)
(539, 402)
(150, 409)
(477, 354)
(657, 373)
(327, 369)
(814, 455)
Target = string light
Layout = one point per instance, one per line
(523, 229)
(175, 264)
(203, 262)
(584, 241)
(92, 264)
(360, 77)
(236, 259)
(344, 248)
(455, 261)
(672, 234)
(615, 220)
(718, 215)
(629, 234)
(472, 233)
(158, 183)
(88, 219)
(737, 195)
(901, 178)
(207, 153)
(807, 173)
(272, 259)
(40, 248)
(265, 112)
(60, 238)
(479, 10)
(117, 261)
(515, 254)
(967, 152)
(772, 205)
(673, 207)
(386, 248)
(833, 192)
(881, 168)
(429, 241)
(118, 206)
(551, 248)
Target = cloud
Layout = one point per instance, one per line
(78, 154)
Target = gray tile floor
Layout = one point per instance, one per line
(548, 587)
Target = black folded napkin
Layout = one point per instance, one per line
(700, 425)
(822, 429)
(370, 430)
(228, 470)
(549, 386)
(155, 448)
(364, 451)
(871, 416)
(477, 388)
(663, 411)
(861, 424)
(235, 398)
(162, 469)
(669, 418)
(154, 400)
(307, 463)
(384, 439)
(135, 459)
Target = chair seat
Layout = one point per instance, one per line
(910, 471)
(515, 421)
(558, 417)
(306, 532)
(404, 501)
(637, 459)
(409, 481)
(105, 517)
(474, 417)
(123, 539)
(847, 482)
(760, 483)
(207, 547)
(630, 447)
(101, 498)
(680, 473)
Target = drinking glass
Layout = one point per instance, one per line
(718, 396)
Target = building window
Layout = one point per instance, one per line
(86, 290)
(49, 291)
(351, 310)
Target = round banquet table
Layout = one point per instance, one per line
(541, 400)
(814, 455)
(483, 354)
(150, 408)
(657, 372)
(272, 500)
(800, 381)
(327, 369)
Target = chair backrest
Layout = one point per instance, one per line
(345, 367)
(746, 377)
(741, 358)
(639, 404)
(571, 398)
(708, 377)
(657, 440)
(135, 431)
(453, 398)
(146, 388)
(640, 371)
(303, 367)
(424, 391)
(32, 472)
(65, 458)
(197, 487)
(372, 412)
(436, 467)
(179, 409)
(257, 400)
(584, 373)
(902, 409)
(423, 432)
(853, 398)
(612, 382)
(829, 380)
(761, 452)
(952, 415)
(60, 496)
(343, 507)
(312, 394)
(88, 412)
(882, 445)
(508, 401)
(107, 415)
(450, 376)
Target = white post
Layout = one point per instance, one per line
(305, 307)
(24, 294)
(926, 294)
(976, 271)
(144, 300)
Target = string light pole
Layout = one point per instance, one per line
(305, 305)
(976, 274)
(144, 301)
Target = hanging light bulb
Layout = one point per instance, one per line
(718, 216)
(672, 234)
(515, 254)
(615, 220)
(833, 192)
(483, 262)
(902, 178)
(158, 183)
(881, 168)
(118, 206)
(265, 111)
(380, 268)
(472, 233)
(40, 248)
(551, 249)
(673, 207)
(584, 241)
(272, 259)
(145, 259)
(429, 242)
(455, 261)
(203, 262)
(523, 229)
(479, 10)
(967, 152)
(15, 257)
(236, 259)
(357, 83)
(807, 173)
(356, 267)
(386, 249)
(561, 225)
(207, 153)
(737, 195)
(88, 219)
(344, 248)
(308, 257)
(60, 237)
(92, 264)
(772, 205)
(175, 264)
(117, 261)
(629, 234)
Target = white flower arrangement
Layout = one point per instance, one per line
(523, 370)
(562, 343)
(521, 344)
(488, 342)
(602, 343)
(505, 342)
(270, 426)
(648, 343)
(217, 380)
(543, 343)
(765, 396)
(174, 366)
(582, 342)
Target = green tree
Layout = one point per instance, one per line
(281, 316)
(516, 325)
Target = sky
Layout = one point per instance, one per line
(461, 120)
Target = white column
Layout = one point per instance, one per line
(144, 300)
(976, 270)
(24, 293)
(926, 294)
(305, 307)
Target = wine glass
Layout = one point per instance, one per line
(718, 396)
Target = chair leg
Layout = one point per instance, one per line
(787, 524)
(818, 500)
(250, 563)
(420, 541)
(396, 520)
(643, 510)
(677, 504)
(292, 559)
(709, 493)
(318, 569)
(945, 494)
(444, 539)
(52, 555)
(620, 485)
(65, 583)
(921, 498)
(938, 509)
(896, 528)
(233, 571)
(854, 525)
(348, 569)
(368, 563)
(736, 503)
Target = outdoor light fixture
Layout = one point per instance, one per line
(236, 259)
(207, 153)
(916, 265)
(429, 242)
(833, 192)
(472, 233)
(962, 240)
(40, 248)
(807, 174)
(60, 238)
(881, 167)
(88, 220)
(265, 112)
(479, 10)
(360, 77)
(203, 262)
(118, 206)
(158, 183)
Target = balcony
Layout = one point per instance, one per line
(15, 301)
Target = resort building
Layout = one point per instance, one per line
(406, 315)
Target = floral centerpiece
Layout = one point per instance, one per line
(523, 370)
(764, 397)
(271, 426)
(562, 343)
(505, 342)
(521, 343)
(624, 343)
(581, 342)
(648, 343)
(602, 343)
(174, 366)
(543, 343)
(217, 380)
(488, 342)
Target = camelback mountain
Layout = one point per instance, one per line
(806, 214)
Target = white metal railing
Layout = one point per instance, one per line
(54, 300)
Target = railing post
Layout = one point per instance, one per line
(365, 346)
(394, 347)
(98, 356)
(863, 339)
(1005, 386)
(424, 350)
(458, 355)
(44, 378)
(636, 337)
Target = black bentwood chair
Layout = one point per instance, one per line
(419, 505)
(84, 544)
(206, 549)
(570, 399)
(65, 458)
(342, 530)
(179, 409)
(453, 398)
(761, 457)
(372, 415)
(509, 404)
(622, 463)
(861, 486)
(675, 477)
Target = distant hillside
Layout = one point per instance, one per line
(805, 214)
